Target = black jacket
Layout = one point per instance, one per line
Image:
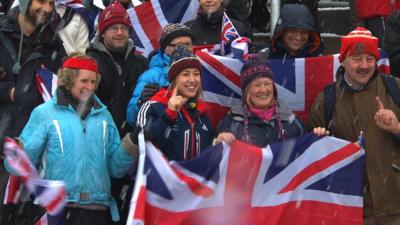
(43, 47)
(206, 29)
(391, 43)
(117, 83)
(296, 16)
(262, 133)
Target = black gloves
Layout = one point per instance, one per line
(148, 91)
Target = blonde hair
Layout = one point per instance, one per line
(67, 76)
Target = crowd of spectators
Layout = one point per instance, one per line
(87, 134)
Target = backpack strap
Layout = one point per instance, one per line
(329, 102)
(392, 87)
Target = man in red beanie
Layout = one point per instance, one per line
(119, 67)
(363, 107)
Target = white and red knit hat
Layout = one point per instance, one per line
(359, 41)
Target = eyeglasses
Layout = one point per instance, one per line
(187, 44)
(115, 28)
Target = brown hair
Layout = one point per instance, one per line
(67, 76)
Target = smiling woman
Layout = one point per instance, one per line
(263, 120)
(296, 34)
(174, 118)
(73, 138)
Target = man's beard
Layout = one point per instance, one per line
(32, 17)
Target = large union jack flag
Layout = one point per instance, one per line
(149, 18)
(307, 180)
(299, 81)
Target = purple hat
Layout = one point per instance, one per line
(252, 70)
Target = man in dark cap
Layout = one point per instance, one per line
(119, 65)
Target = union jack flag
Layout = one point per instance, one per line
(75, 4)
(228, 34)
(46, 82)
(149, 18)
(306, 180)
(49, 194)
(299, 81)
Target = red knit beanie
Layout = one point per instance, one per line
(359, 41)
(113, 14)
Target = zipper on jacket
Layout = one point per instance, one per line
(192, 134)
(83, 123)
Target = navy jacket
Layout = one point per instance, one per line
(262, 133)
(179, 138)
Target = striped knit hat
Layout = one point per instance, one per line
(359, 41)
(182, 59)
(172, 31)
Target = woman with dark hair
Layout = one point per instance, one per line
(264, 119)
(174, 118)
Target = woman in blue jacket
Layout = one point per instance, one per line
(73, 138)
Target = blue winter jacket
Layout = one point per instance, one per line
(157, 73)
(82, 153)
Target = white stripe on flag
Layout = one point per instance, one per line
(235, 67)
(190, 13)
(221, 100)
(148, 47)
(159, 13)
(336, 65)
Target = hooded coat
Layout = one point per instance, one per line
(295, 16)
(117, 83)
(42, 47)
(391, 43)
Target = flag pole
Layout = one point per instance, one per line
(140, 179)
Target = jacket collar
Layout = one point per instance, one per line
(340, 75)
(284, 113)
(97, 44)
(213, 20)
(64, 98)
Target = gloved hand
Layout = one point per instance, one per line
(148, 91)
(130, 147)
